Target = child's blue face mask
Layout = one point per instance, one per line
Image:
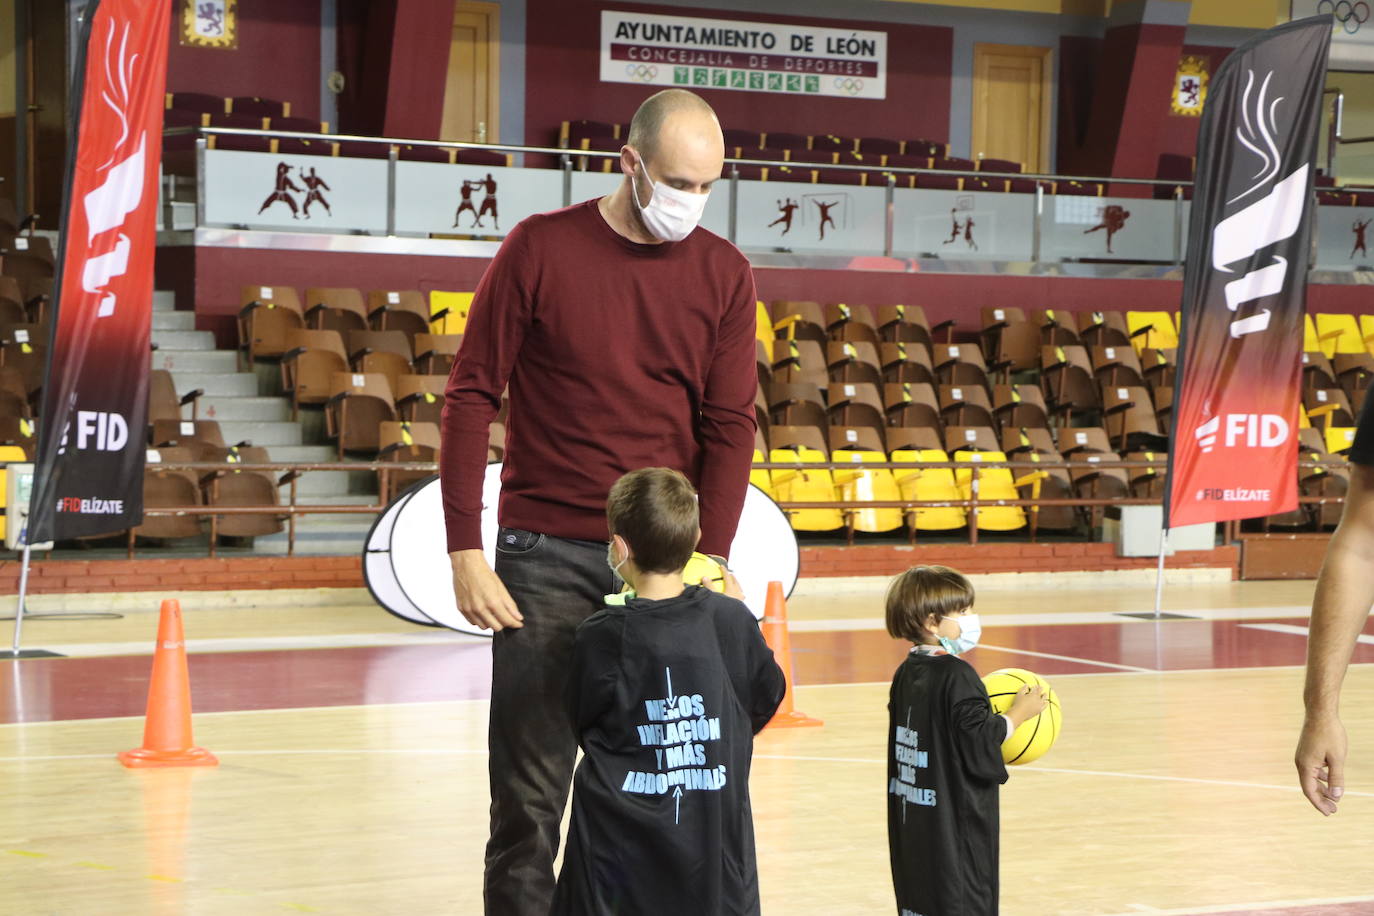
(970, 628)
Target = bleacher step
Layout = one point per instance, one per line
(261, 433)
(164, 300)
(230, 408)
(222, 384)
(184, 340)
(174, 321)
(177, 360)
(302, 454)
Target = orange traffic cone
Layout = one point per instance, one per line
(167, 730)
(774, 628)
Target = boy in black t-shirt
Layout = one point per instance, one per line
(669, 685)
(945, 752)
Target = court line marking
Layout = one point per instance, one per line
(272, 643)
(1256, 907)
(1055, 618)
(1068, 658)
(1299, 631)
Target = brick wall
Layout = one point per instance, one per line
(153, 575)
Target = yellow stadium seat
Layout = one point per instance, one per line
(15, 454)
(1338, 333)
(458, 305)
(929, 483)
(1339, 438)
(1367, 332)
(993, 483)
(759, 477)
(858, 483)
(763, 326)
(1162, 334)
(1309, 335)
(803, 484)
(1304, 422)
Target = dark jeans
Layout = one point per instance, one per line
(556, 583)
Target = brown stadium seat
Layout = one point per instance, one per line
(1019, 440)
(793, 437)
(797, 404)
(358, 404)
(800, 361)
(24, 348)
(37, 298)
(960, 364)
(1317, 371)
(970, 438)
(912, 404)
(385, 352)
(850, 322)
(880, 145)
(200, 438)
(1057, 327)
(1103, 329)
(257, 106)
(906, 361)
(308, 365)
(1116, 365)
(35, 247)
(163, 401)
(335, 309)
(795, 320)
(266, 314)
(12, 308)
(163, 488)
(779, 140)
(1353, 372)
(1130, 417)
(909, 323)
(1050, 482)
(1016, 349)
(1327, 407)
(404, 442)
(420, 398)
(855, 404)
(856, 439)
(994, 319)
(965, 405)
(1161, 366)
(1071, 440)
(849, 361)
(399, 310)
(1146, 483)
(1066, 378)
(1016, 406)
(434, 353)
(232, 487)
(14, 394)
(1163, 399)
(914, 438)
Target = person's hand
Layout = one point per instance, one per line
(482, 597)
(1030, 701)
(732, 586)
(1320, 759)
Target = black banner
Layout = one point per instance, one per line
(1233, 448)
(88, 477)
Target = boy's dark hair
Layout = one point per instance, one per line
(655, 511)
(923, 595)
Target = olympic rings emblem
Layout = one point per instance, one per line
(1350, 15)
(644, 73)
(850, 84)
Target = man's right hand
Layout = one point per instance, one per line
(482, 597)
(1320, 759)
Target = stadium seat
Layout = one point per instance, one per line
(1016, 349)
(970, 438)
(398, 310)
(1066, 378)
(435, 353)
(848, 361)
(799, 320)
(1019, 405)
(404, 442)
(1159, 366)
(1151, 329)
(960, 364)
(928, 484)
(24, 348)
(163, 401)
(906, 362)
(1130, 420)
(850, 322)
(420, 398)
(450, 310)
(202, 439)
(905, 323)
(855, 404)
(167, 488)
(912, 404)
(309, 364)
(783, 140)
(233, 487)
(797, 404)
(914, 438)
(992, 483)
(1116, 365)
(357, 406)
(800, 361)
(385, 352)
(855, 438)
(266, 314)
(335, 309)
(803, 484)
(1339, 333)
(1103, 329)
(1328, 407)
(259, 107)
(859, 484)
(965, 405)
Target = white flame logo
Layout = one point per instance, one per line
(122, 191)
(1272, 219)
(1206, 434)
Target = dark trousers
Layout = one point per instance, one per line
(556, 583)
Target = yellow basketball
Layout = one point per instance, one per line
(703, 567)
(1034, 736)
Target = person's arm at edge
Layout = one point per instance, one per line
(727, 420)
(496, 328)
(1345, 591)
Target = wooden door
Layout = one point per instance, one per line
(1011, 104)
(471, 93)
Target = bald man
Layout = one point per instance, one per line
(626, 335)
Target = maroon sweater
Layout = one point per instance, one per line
(619, 356)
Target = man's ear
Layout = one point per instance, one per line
(629, 160)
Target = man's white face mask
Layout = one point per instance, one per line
(670, 215)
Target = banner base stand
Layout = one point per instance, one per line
(1162, 615)
(29, 653)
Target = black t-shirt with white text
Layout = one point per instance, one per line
(943, 773)
(665, 698)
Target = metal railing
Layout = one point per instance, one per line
(209, 472)
(567, 156)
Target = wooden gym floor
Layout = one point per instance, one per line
(353, 768)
